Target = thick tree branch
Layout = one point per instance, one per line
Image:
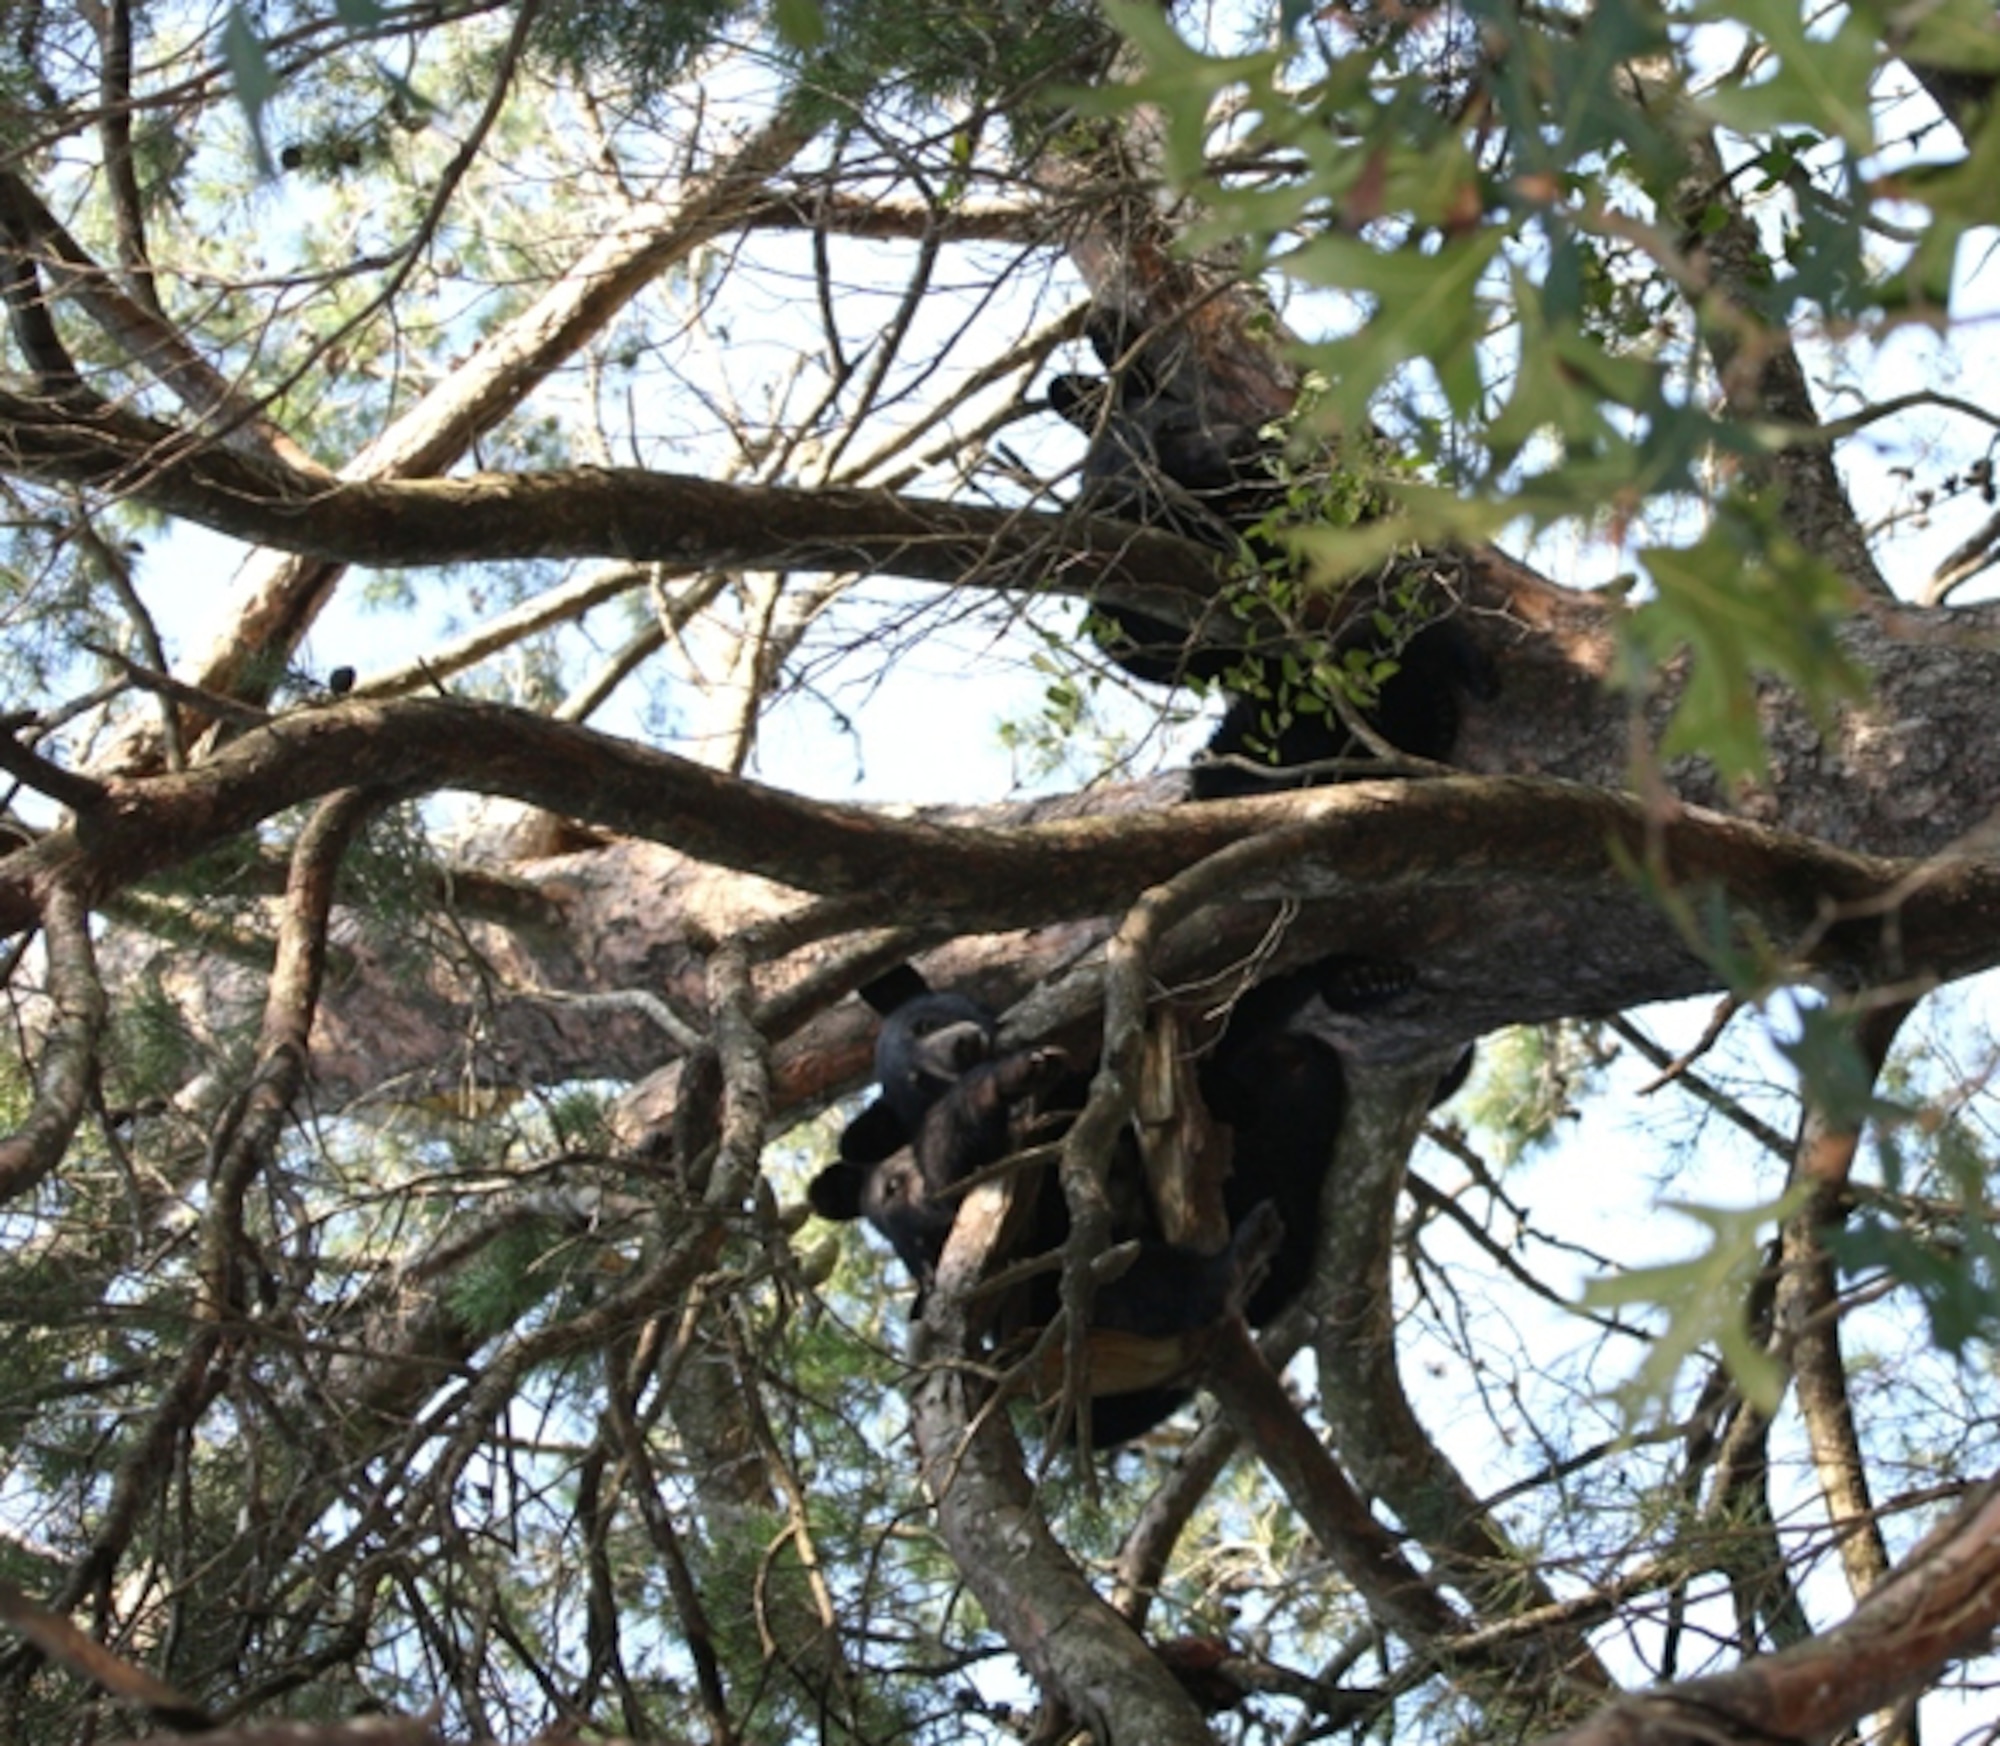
(1373, 1424)
(1386, 852)
(1075, 1645)
(1942, 1604)
(612, 512)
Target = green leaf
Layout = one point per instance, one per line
(1962, 36)
(801, 24)
(1833, 1077)
(1182, 81)
(1959, 1298)
(1563, 93)
(1562, 383)
(256, 83)
(1703, 1299)
(1745, 599)
(1427, 306)
(1961, 194)
(1820, 80)
(1827, 250)
(1952, 1261)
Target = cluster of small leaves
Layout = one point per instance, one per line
(840, 49)
(1532, 1082)
(1313, 676)
(1282, 570)
(1321, 493)
(512, 1274)
(646, 47)
(960, 49)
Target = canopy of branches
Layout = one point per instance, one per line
(541, 558)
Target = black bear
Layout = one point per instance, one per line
(954, 1098)
(957, 1101)
(1158, 457)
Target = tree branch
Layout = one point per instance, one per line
(68, 1066)
(281, 595)
(1806, 1313)
(1942, 1604)
(613, 512)
(1367, 1409)
(1078, 1649)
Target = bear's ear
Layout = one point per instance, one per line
(894, 988)
(876, 1133)
(835, 1193)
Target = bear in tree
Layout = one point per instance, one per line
(1158, 455)
(959, 1103)
(952, 1102)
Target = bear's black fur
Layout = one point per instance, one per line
(950, 1094)
(957, 1100)
(1159, 457)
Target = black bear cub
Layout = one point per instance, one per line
(956, 1100)
(1158, 457)
(959, 1103)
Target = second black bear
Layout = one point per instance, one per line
(1158, 457)
(956, 1100)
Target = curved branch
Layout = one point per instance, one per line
(141, 333)
(628, 513)
(1387, 853)
(242, 1147)
(281, 595)
(250, 1133)
(69, 1054)
(1081, 1652)
(1366, 1553)
(1375, 1427)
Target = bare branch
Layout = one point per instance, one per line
(142, 335)
(281, 596)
